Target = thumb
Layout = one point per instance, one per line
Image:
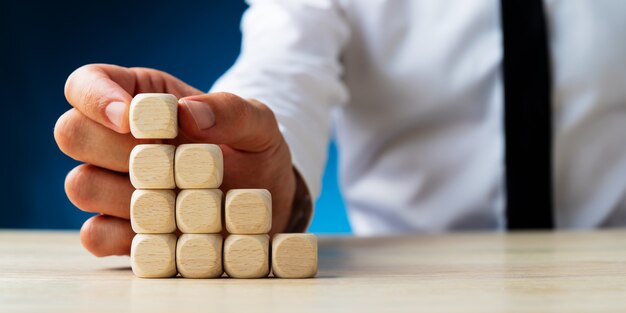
(224, 118)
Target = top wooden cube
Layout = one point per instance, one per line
(154, 116)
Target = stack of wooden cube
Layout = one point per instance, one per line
(198, 175)
(196, 211)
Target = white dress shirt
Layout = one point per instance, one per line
(414, 91)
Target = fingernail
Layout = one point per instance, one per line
(115, 112)
(201, 113)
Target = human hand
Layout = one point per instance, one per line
(96, 131)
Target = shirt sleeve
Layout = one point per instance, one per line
(290, 60)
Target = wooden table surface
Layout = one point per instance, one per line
(469, 272)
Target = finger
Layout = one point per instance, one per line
(104, 235)
(224, 118)
(85, 140)
(151, 80)
(96, 190)
(103, 93)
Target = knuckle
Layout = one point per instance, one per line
(74, 78)
(267, 119)
(89, 95)
(152, 80)
(228, 97)
(94, 100)
(264, 110)
(68, 133)
(241, 110)
(243, 114)
(77, 184)
(90, 236)
(89, 68)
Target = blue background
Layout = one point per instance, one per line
(44, 41)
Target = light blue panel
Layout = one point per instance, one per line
(330, 210)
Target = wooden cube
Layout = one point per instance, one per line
(152, 211)
(154, 116)
(198, 166)
(247, 256)
(199, 211)
(151, 166)
(153, 255)
(248, 211)
(294, 255)
(199, 255)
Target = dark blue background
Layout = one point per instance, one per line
(44, 41)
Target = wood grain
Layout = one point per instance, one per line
(248, 211)
(545, 272)
(198, 166)
(247, 256)
(151, 166)
(199, 211)
(294, 255)
(199, 255)
(152, 211)
(153, 255)
(154, 116)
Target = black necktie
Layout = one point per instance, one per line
(527, 118)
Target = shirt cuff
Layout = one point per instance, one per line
(302, 208)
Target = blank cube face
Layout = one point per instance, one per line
(153, 255)
(294, 255)
(246, 256)
(199, 166)
(152, 211)
(151, 166)
(248, 211)
(199, 211)
(154, 116)
(199, 255)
